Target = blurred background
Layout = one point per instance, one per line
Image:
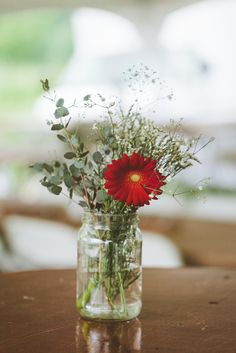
(83, 47)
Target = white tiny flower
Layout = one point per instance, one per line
(161, 170)
(168, 178)
(200, 188)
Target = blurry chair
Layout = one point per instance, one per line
(159, 251)
(44, 244)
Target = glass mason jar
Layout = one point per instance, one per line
(109, 271)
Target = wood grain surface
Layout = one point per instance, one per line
(184, 311)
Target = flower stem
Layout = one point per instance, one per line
(82, 301)
(122, 295)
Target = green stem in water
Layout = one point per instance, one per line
(82, 301)
(122, 295)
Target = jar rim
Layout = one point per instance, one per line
(110, 214)
(112, 217)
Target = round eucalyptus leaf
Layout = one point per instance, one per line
(87, 97)
(55, 189)
(60, 102)
(68, 180)
(57, 164)
(97, 157)
(47, 167)
(56, 127)
(107, 131)
(61, 112)
(56, 180)
(45, 182)
(75, 171)
(101, 196)
(38, 167)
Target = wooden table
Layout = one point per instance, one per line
(184, 310)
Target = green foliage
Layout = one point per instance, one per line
(40, 167)
(69, 155)
(97, 157)
(55, 189)
(68, 180)
(61, 112)
(76, 172)
(117, 133)
(61, 138)
(60, 103)
(45, 85)
(56, 127)
(101, 196)
(86, 98)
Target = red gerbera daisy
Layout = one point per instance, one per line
(133, 179)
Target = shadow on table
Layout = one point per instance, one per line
(106, 337)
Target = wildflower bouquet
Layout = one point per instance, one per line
(129, 164)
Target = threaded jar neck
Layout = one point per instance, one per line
(110, 220)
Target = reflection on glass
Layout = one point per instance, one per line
(105, 337)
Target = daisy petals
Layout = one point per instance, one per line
(132, 179)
